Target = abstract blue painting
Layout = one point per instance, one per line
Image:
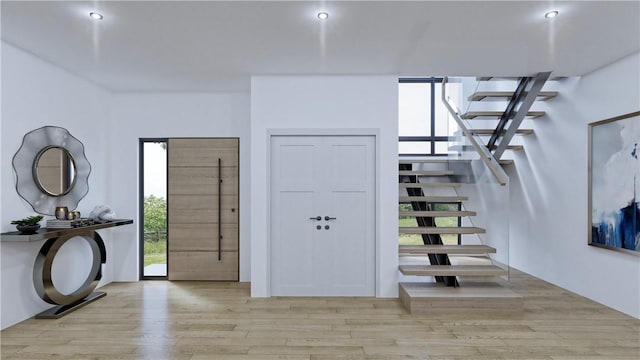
(614, 179)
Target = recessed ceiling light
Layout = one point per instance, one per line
(96, 16)
(551, 14)
(323, 15)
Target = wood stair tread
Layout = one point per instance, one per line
(482, 95)
(469, 147)
(433, 198)
(497, 114)
(513, 78)
(444, 161)
(434, 213)
(445, 249)
(431, 161)
(497, 78)
(514, 147)
(426, 172)
(452, 270)
(429, 184)
(491, 131)
(441, 230)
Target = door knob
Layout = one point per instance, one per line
(318, 218)
(327, 218)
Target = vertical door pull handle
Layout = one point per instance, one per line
(219, 209)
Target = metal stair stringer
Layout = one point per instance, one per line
(427, 239)
(525, 95)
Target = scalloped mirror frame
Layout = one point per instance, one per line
(24, 162)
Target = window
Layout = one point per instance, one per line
(153, 206)
(425, 126)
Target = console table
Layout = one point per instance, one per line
(42, 281)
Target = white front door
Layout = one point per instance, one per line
(333, 178)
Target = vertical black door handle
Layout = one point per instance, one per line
(219, 209)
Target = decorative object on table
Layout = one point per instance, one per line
(75, 215)
(68, 224)
(62, 212)
(28, 225)
(614, 183)
(102, 213)
(59, 224)
(51, 169)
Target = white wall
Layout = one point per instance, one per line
(309, 103)
(136, 116)
(549, 228)
(35, 94)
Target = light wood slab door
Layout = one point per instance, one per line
(203, 209)
(322, 216)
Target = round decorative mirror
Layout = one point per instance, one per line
(51, 169)
(54, 171)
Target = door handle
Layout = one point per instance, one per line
(327, 218)
(219, 209)
(317, 218)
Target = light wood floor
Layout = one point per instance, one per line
(200, 320)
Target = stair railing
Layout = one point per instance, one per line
(483, 152)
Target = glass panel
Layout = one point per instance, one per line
(442, 147)
(485, 184)
(414, 147)
(414, 102)
(445, 125)
(408, 239)
(155, 209)
(447, 239)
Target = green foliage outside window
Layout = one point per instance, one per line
(155, 214)
(155, 230)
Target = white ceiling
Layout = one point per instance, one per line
(218, 45)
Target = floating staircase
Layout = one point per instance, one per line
(517, 108)
(441, 274)
(435, 266)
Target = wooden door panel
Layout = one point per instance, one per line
(203, 237)
(203, 265)
(203, 152)
(194, 209)
(202, 180)
(197, 209)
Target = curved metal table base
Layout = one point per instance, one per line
(43, 281)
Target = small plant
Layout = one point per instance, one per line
(31, 220)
